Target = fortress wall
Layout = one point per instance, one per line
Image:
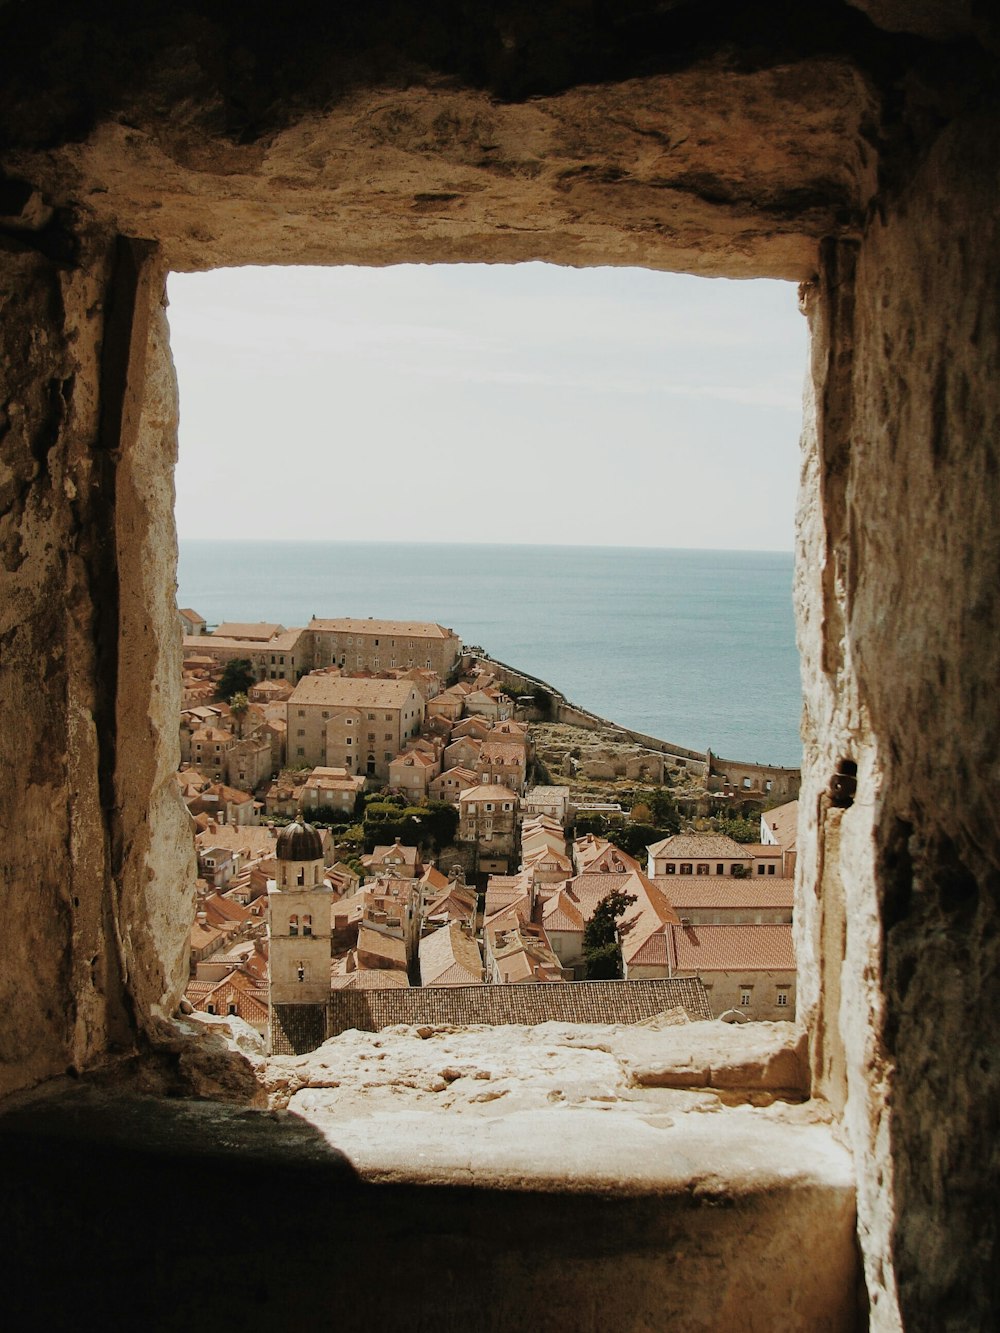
(529, 1004)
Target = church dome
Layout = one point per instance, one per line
(298, 841)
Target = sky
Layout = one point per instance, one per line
(488, 403)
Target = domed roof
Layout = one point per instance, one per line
(298, 841)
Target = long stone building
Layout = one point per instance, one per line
(380, 645)
(277, 653)
(357, 724)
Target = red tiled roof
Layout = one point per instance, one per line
(699, 846)
(371, 978)
(734, 948)
(783, 821)
(725, 892)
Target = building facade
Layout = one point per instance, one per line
(359, 725)
(383, 645)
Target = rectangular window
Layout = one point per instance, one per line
(686, 868)
(300, 731)
(302, 712)
(670, 868)
(387, 736)
(350, 740)
(746, 996)
(387, 756)
(782, 999)
(770, 868)
(720, 869)
(702, 868)
(300, 750)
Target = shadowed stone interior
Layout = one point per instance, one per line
(850, 147)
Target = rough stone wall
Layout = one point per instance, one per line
(155, 868)
(784, 781)
(98, 857)
(551, 1002)
(899, 603)
(60, 980)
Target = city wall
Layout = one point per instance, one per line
(784, 781)
(295, 1032)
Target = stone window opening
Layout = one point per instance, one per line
(834, 543)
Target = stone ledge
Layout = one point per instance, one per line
(171, 1213)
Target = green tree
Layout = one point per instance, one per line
(239, 706)
(237, 677)
(738, 828)
(664, 810)
(635, 838)
(591, 824)
(601, 947)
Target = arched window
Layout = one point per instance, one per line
(293, 925)
(307, 925)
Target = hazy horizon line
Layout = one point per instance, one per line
(417, 541)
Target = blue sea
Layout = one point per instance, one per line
(694, 647)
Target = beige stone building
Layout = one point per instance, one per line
(250, 762)
(514, 953)
(382, 645)
(299, 919)
(746, 968)
(551, 801)
(779, 827)
(209, 750)
(331, 788)
(698, 854)
(358, 725)
(462, 752)
(450, 957)
(488, 818)
(411, 773)
(274, 652)
(192, 624)
(502, 762)
(450, 784)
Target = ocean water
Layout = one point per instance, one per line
(695, 647)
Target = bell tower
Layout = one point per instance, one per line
(299, 907)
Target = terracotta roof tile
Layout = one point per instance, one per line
(734, 948)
